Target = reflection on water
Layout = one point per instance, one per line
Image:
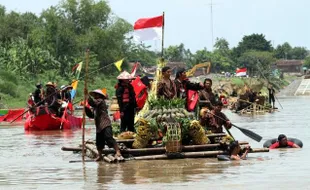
(34, 160)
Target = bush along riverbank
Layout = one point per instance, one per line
(14, 92)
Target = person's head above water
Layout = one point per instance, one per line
(234, 148)
(282, 139)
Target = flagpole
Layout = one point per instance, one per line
(162, 36)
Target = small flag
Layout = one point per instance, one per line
(134, 69)
(104, 91)
(149, 28)
(241, 72)
(78, 66)
(74, 85)
(118, 64)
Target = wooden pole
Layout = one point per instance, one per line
(162, 150)
(162, 36)
(203, 154)
(159, 150)
(85, 99)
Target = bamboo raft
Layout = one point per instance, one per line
(156, 153)
(254, 109)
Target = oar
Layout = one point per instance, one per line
(278, 101)
(247, 132)
(63, 116)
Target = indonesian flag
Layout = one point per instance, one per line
(149, 28)
(134, 69)
(241, 72)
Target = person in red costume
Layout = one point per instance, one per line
(283, 143)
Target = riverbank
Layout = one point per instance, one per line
(19, 99)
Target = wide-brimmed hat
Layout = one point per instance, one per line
(50, 84)
(64, 87)
(38, 85)
(98, 91)
(69, 87)
(124, 76)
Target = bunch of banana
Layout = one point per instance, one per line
(201, 139)
(197, 133)
(139, 142)
(227, 139)
(144, 134)
(126, 135)
(142, 121)
(160, 64)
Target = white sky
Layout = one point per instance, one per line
(189, 21)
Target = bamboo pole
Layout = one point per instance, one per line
(162, 150)
(213, 135)
(77, 149)
(204, 154)
(159, 150)
(162, 36)
(85, 98)
(92, 149)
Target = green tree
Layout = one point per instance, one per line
(255, 42)
(283, 51)
(257, 62)
(299, 53)
(307, 62)
(178, 53)
(221, 45)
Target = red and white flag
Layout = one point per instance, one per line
(241, 72)
(134, 69)
(149, 28)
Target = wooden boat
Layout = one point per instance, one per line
(43, 119)
(8, 115)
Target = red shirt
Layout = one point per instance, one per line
(277, 145)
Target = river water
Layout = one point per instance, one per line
(35, 160)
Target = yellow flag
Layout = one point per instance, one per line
(104, 91)
(118, 64)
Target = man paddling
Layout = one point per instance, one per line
(283, 143)
(215, 119)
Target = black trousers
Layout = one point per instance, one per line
(128, 120)
(105, 137)
(271, 98)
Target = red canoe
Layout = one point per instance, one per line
(48, 121)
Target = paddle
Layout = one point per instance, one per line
(247, 132)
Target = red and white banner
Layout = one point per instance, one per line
(148, 28)
(134, 69)
(241, 72)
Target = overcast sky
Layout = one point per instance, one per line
(189, 21)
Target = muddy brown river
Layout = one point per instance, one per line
(35, 160)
